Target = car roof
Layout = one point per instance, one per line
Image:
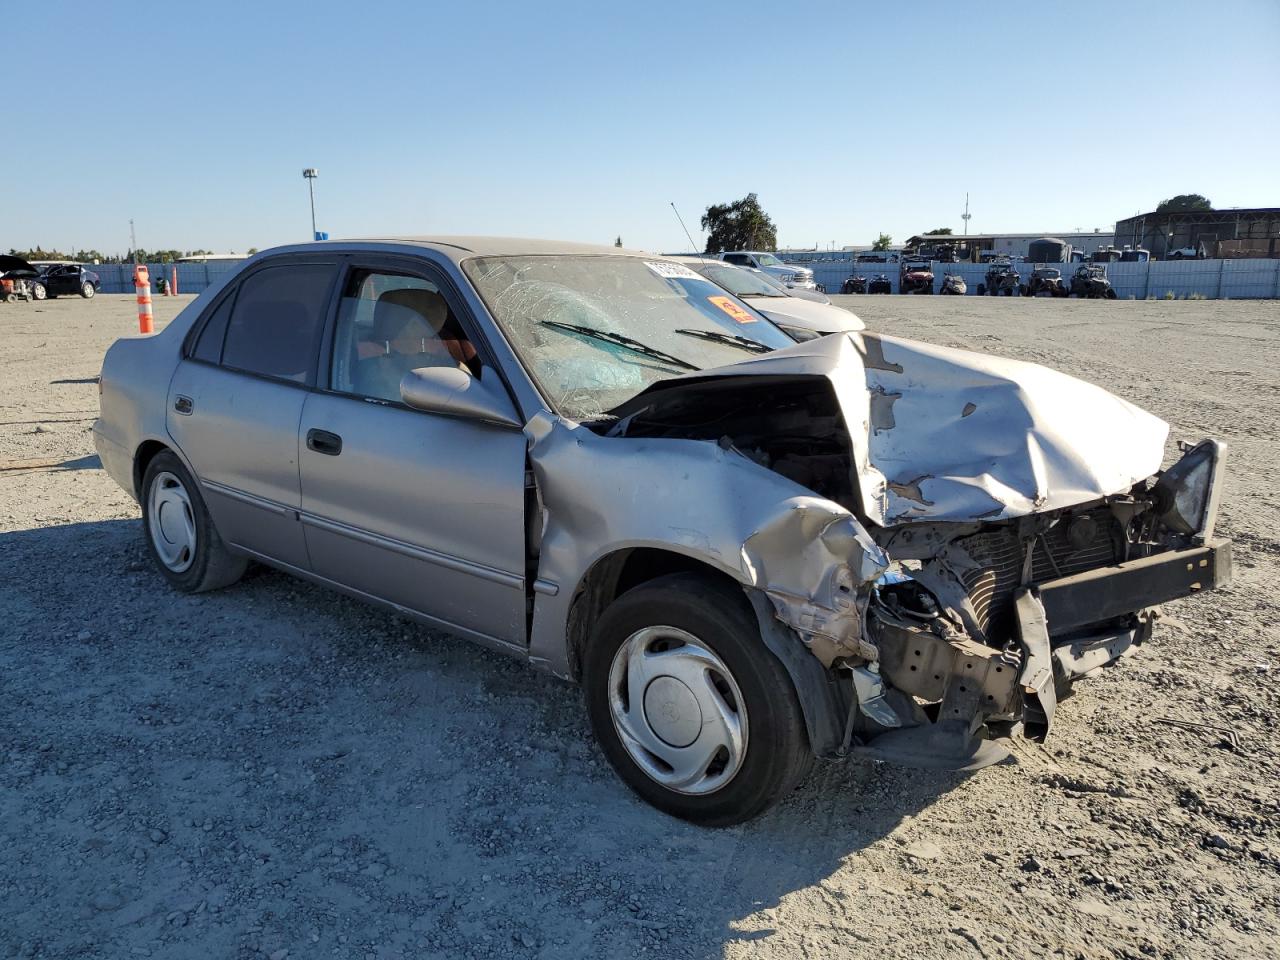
(709, 260)
(459, 248)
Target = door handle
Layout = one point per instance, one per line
(322, 441)
(184, 405)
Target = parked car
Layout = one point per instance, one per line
(745, 550)
(801, 319)
(877, 256)
(916, 276)
(1045, 282)
(791, 274)
(1193, 252)
(953, 285)
(880, 283)
(1090, 282)
(818, 294)
(855, 284)
(16, 276)
(65, 279)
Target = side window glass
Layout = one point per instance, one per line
(389, 324)
(277, 321)
(209, 345)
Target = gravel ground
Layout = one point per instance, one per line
(276, 771)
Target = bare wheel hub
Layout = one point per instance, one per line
(671, 710)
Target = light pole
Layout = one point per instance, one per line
(310, 174)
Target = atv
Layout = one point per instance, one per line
(916, 276)
(1090, 282)
(1003, 280)
(953, 285)
(854, 285)
(881, 284)
(1045, 282)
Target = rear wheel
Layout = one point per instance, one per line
(689, 706)
(180, 533)
(87, 290)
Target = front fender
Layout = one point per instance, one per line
(598, 495)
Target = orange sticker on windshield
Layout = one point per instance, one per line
(732, 309)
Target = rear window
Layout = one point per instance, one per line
(276, 323)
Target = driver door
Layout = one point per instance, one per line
(420, 510)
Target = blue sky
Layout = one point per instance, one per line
(584, 121)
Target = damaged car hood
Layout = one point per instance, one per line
(940, 434)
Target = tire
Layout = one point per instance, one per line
(38, 291)
(1110, 295)
(703, 632)
(87, 290)
(179, 532)
(981, 290)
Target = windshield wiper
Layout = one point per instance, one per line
(730, 339)
(621, 340)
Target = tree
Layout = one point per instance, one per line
(252, 251)
(1184, 202)
(618, 242)
(741, 225)
(937, 232)
(882, 242)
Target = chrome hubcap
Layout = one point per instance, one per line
(677, 710)
(172, 522)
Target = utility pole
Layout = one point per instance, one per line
(133, 242)
(965, 216)
(311, 173)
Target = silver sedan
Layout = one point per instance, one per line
(750, 552)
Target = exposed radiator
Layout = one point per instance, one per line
(1000, 555)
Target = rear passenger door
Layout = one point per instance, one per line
(236, 399)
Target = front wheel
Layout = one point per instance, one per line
(1110, 295)
(689, 706)
(180, 534)
(38, 291)
(87, 290)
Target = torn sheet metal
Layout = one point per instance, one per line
(600, 494)
(950, 435)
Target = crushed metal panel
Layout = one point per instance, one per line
(602, 494)
(940, 434)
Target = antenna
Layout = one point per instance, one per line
(965, 216)
(696, 251)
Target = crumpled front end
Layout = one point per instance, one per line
(990, 532)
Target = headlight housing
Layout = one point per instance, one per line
(1187, 493)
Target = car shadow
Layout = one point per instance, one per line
(339, 761)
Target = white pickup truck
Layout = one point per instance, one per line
(793, 275)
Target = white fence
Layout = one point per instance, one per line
(1213, 279)
(192, 277)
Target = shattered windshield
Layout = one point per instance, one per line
(594, 331)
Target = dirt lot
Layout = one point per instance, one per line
(276, 771)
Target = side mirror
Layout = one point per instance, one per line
(457, 393)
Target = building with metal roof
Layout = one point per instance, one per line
(1241, 232)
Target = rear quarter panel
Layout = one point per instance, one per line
(134, 388)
